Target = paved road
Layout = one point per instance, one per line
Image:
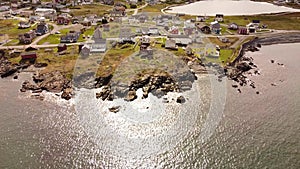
(55, 29)
(137, 9)
(36, 46)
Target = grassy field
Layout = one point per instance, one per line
(12, 42)
(10, 27)
(226, 55)
(113, 59)
(83, 10)
(290, 21)
(51, 39)
(154, 8)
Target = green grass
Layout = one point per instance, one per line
(290, 21)
(10, 27)
(154, 8)
(113, 59)
(51, 39)
(83, 10)
(13, 42)
(226, 55)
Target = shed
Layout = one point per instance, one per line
(28, 55)
(61, 47)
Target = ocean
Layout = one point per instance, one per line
(217, 127)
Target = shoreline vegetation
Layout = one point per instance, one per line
(57, 71)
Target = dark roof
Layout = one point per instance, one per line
(125, 33)
(97, 34)
(256, 21)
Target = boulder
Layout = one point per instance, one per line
(67, 93)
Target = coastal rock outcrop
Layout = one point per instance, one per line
(54, 82)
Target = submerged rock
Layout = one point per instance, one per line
(131, 95)
(114, 109)
(180, 99)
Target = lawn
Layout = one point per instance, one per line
(51, 39)
(10, 27)
(226, 55)
(12, 42)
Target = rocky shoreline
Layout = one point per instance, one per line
(272, 39)
(159, 83)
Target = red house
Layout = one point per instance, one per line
(243, 31)
(28, 55)
(63, 20)
(61, 47)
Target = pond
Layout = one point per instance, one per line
(229, 7)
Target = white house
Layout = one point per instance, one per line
(44, 11)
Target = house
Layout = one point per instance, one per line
(188, 31)
(98, 46)
(180, 40)
(106, 27)
(41, 29)
(27, 38)
(44, 11)
(170, 44)
(153, 31)
(251, 29)
(141, 18)
(76, 20)
(174, 30)
(118, 11)
(223, 39)
(4, 8)
(33, 19)
(206, 29)
(256, 23)
(97, 35)
(243, 31)
(126, 36)
(85, 51)
(108, 2)
(63, 20)
(219, 18)
(197, 38)
(24, 25)
(61, 47)
(215, 27)
(233, 26)
(31, 56)
(71, 37)
(200, 19)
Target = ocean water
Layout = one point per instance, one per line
(216, 128)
